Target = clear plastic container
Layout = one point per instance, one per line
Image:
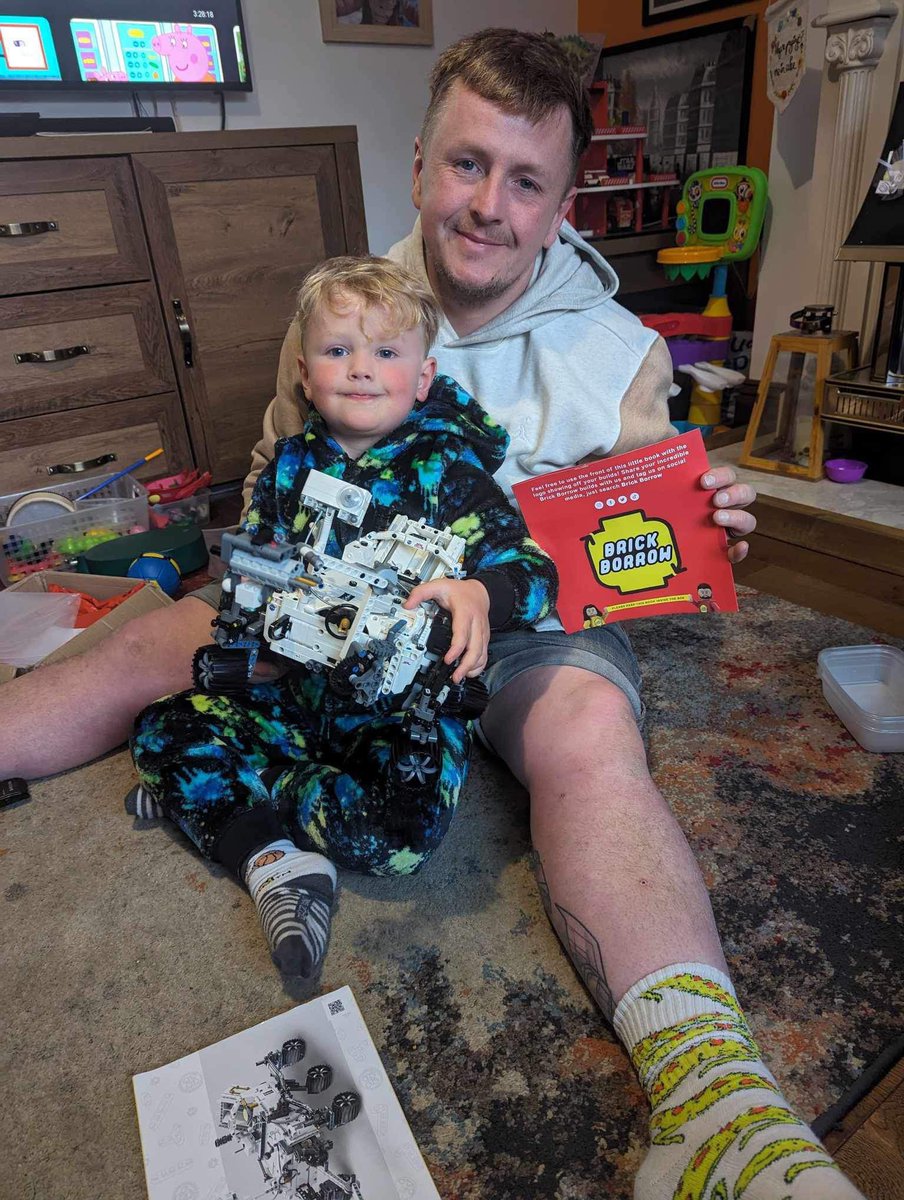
(54, 542)
(192, 510)
(864, 685)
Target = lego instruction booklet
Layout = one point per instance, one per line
(632, 536)
(298, 1106)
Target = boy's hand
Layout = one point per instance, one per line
(468, 602)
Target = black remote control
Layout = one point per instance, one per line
(12, 790)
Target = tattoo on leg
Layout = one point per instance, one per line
(584, 951)
(582, 947)
(537, 864)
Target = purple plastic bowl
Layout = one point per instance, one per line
(845, 470)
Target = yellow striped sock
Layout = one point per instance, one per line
(720, 1128)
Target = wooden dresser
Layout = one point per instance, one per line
(146, 282)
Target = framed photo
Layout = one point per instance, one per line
(656, 11)
(400, 22)
(689, 92)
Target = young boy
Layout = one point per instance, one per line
(380, 418)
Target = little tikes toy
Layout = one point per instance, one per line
(720, 218)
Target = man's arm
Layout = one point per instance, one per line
(645, 419)
(286, 412)
(644, 410)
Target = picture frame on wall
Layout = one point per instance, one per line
(689, 91)
(654, 12)
(388, 22)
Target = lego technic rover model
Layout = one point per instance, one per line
(284, 1135)
(345, 615)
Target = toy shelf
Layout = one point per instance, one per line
(614, 179)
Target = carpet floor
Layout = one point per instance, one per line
(123, 950)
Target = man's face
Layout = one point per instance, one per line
(492, 190)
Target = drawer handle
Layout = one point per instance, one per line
(28, 228)
(188, 353)
(49, 356)
(88, 465)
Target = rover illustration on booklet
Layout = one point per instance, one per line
(297, 1107)
(632, 536)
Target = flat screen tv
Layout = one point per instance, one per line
(158, 45)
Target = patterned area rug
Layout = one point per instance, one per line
(514, 1087)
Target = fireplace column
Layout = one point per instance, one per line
(854, 44)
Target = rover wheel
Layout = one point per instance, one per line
(467, 699)
(293, 1051)
(332, 1191)
(346, 1106)
(223, 672)
(319, 1078)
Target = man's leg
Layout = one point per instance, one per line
(625, 895)
(60, 716)
(620, 883)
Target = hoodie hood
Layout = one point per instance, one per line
(571, 277)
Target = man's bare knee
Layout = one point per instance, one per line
(161, 643)
(555, 718)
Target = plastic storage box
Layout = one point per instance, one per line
(193, 510)
(865, 687)
(54, 542)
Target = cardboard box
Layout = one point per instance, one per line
(101, 587)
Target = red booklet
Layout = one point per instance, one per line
(632, 536)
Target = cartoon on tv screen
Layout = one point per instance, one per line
(137, 44)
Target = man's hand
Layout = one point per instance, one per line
(468, 602)
(730, 500)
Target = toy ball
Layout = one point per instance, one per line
(156, 568)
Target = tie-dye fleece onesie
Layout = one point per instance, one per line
(201, 755)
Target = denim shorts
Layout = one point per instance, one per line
(209, 593)
(605, 651)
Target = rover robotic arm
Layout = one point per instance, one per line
(344, 616)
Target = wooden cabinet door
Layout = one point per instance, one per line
(232, 232)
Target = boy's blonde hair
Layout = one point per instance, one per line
(340, 283)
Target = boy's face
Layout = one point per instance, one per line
(361, 379)
(492, 190)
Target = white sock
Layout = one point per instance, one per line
(293, 893)
(720, 1128)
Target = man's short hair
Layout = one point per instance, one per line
(340, 283)
(526, 74)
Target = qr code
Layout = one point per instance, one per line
(336, 1006)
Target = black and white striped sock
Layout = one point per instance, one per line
(292, 891)
(140, 803)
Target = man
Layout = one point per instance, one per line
(531, 329)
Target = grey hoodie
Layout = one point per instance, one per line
(566, 369)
